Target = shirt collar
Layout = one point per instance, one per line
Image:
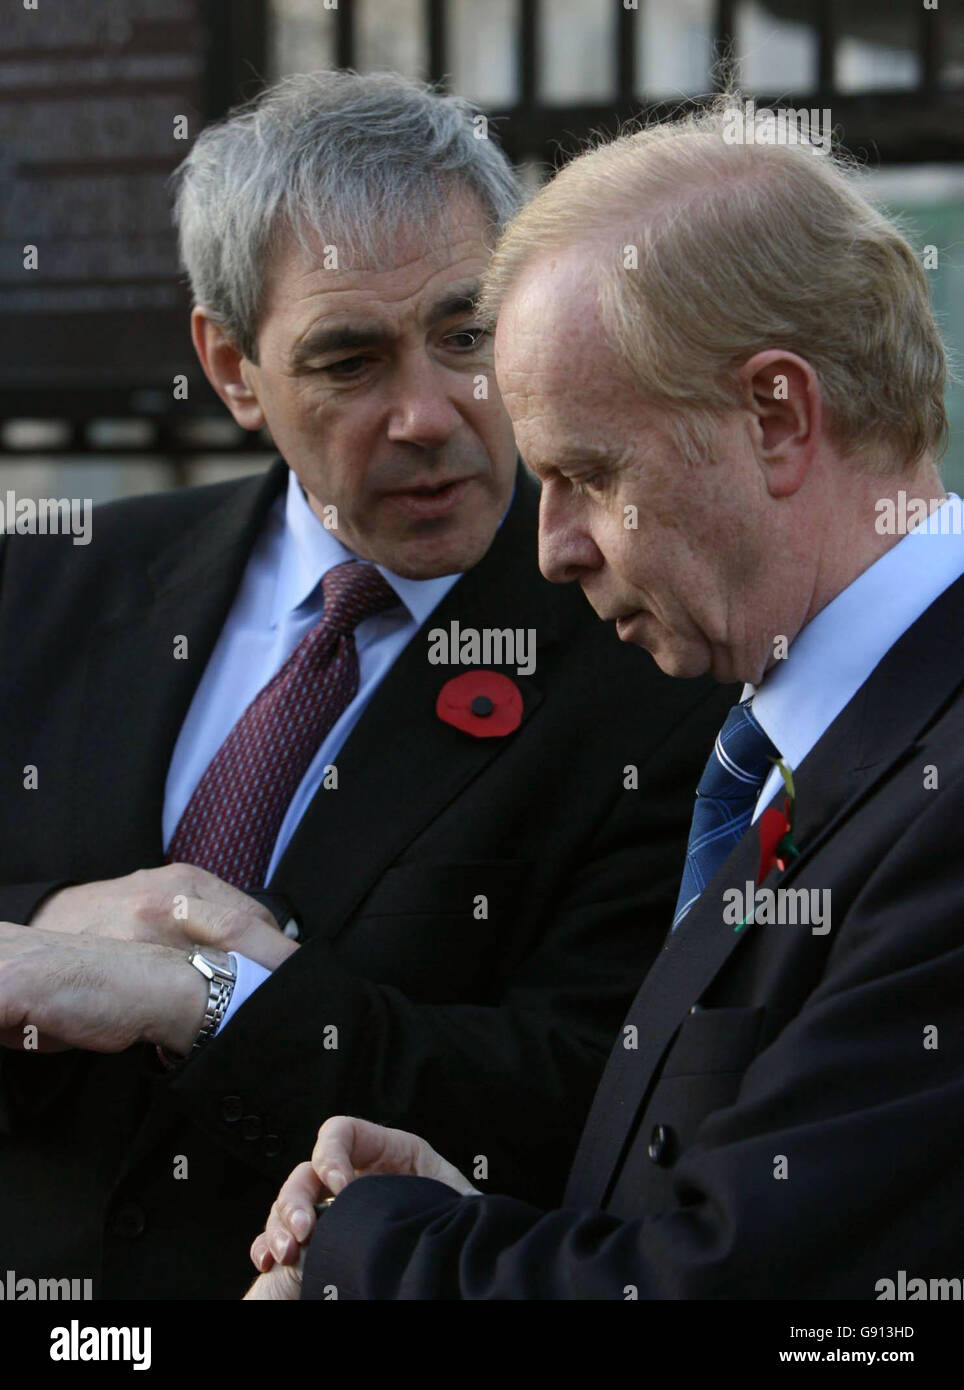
(309, 550)
(831, 658)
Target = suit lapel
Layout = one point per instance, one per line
(402, 765)
(136, 693)
(877, 732)
(871, 737)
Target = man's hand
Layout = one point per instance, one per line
(59, 990)
(178, 905)
(291, 1220)
(346, 1149)
(282, 1282)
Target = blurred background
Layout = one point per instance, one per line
(95, 337)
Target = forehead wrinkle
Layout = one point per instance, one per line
(447, 252)
(460, 217)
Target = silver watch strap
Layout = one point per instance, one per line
(221, 981)
(219, 997)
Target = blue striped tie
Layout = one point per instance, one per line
(734, 774)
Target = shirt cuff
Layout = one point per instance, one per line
(249, 976)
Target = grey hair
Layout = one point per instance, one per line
(352, 157)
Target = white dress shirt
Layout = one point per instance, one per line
(831, 658)
(279, 600)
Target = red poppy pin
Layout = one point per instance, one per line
(484, 704)
(776, 830)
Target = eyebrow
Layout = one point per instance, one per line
(460, 299)
(350, 335)
(582, 453)
(593, 454)
(346, 336)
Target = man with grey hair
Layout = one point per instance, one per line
(340, 805)
(761, 379)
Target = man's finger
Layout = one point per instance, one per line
(261, 1256)
(335, 1148)
(236, 929)
(292, 1216)
(281, 1242)
(347, 1146)
(283, 1245)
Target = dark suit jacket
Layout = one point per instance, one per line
(486, 1035)
(798, 1134)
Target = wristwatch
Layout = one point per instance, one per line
(219, 970)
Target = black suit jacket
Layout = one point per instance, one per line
(486, 1035)
(790, 1122)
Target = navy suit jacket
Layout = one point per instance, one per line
(789, 1123)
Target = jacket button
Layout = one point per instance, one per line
(231, 1109)
(662, 1145)
(251, 1127)
(272, 1145)
(129, 1221)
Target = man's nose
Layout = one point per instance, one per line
(567, 551)
(423, 411)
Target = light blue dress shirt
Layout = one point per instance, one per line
(831, 658)
(279, 600)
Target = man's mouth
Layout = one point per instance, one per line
(430, 499)
(431, 487)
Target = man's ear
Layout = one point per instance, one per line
(782, 393)
(227, 369)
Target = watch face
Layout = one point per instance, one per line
(217, 962)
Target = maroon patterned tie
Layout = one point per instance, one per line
(232, 820)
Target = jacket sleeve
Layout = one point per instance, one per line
(861, 1096)
(503, 1088)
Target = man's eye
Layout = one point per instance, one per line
(583, 486)
(465, 339)
(347, 366)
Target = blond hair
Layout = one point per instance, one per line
(740, 247)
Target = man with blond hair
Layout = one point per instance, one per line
(728, 341)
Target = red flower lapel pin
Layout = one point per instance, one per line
(776, 829)
(484, 704)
